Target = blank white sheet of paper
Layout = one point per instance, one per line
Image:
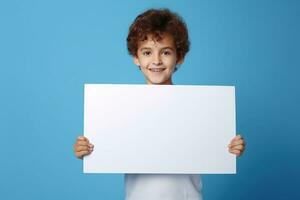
(169, 129)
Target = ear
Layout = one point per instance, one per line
(136, 60)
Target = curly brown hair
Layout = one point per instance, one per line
(158, 22)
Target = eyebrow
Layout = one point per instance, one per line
(148, 48)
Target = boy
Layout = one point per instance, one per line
(158, 41)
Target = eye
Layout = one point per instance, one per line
(146, 53)
(167, 52)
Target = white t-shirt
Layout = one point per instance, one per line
(163, 187)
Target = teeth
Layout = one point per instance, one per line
(157, 69)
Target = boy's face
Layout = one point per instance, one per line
(157, 59)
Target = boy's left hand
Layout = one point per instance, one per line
(237, 145)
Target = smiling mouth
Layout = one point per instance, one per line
(157, 69)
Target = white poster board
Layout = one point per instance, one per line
(165, 129)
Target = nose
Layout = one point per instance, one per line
(157, 60)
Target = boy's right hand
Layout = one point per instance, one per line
(82, 147)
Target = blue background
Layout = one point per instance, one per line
(49, 49)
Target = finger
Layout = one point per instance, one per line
(238, 137)
(82, 143)
(82, 138)
(83, 148)
(235, 138)
(236, 152)
(78, 148)
(237, 147)
(91, 145)
(237, 142)
(82, 153)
